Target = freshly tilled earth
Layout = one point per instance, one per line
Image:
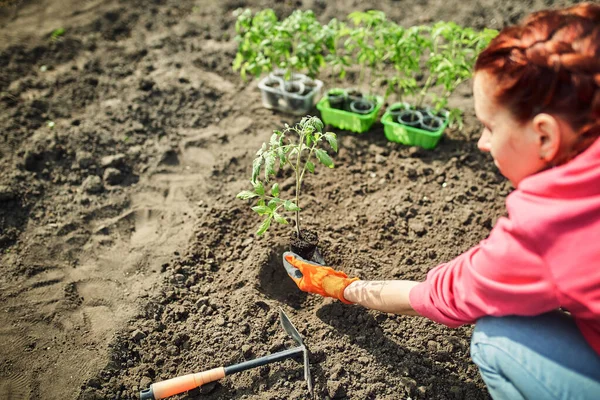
(125, 256)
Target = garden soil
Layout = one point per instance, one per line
(125, 256)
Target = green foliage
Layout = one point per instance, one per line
(406, 48)
(453, 52)
(259, 48)
(367, 43)
(296, 147)
(443, 54)
(57, 34)
(298, 43)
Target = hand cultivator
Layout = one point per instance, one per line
(171, 387)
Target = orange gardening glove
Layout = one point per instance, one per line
(315, 278)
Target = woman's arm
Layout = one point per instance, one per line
(386, 296)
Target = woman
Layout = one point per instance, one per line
(537, 93)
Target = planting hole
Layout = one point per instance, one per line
(275, 282)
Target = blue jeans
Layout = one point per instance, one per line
(542, 357)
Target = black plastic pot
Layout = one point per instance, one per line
(442, 114)
(336, 98)
(295, 89)
(362, 106)
(305, 245)
(398, 109)
(309, 86)
(352, 95)
(431, 123)
(272, 97)
(410, 118)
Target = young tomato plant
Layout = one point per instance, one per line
(453, 54)
(337, 57)
(405, 50)
(297, 147)
(367, 43)
(297, 43)
(258, 48)
(305, 43)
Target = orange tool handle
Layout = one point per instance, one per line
(184, 383)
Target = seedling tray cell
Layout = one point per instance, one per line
(348, 120)
(291, 103)
(409, 135)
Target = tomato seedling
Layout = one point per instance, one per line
(297, 147)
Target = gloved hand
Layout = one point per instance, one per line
(315, 278)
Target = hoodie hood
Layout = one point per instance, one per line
(580, 177)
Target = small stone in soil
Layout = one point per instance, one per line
(414, 151)
(246, 351)
(145, 382)
(113, 176)
(337, 371)
(115, 161)
(137, 335)
(433, 345)
(336, 389)
(84, 159)
(418, 228)
(173, 350)
(92, 184)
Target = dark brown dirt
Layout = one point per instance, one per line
(125, 257)
(306, 244)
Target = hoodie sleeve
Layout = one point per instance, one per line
(503, 275)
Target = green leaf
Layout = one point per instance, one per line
(275, 190)
(269, 165)
(259, 188)
(57, 33)
(274, 141)
(290, 206)
(309, 140)
(264, 226)
(279, 219)
(262, 210)
(273, 204)
(324, 158)
(332, 140)
(246, 194)
(310, 167)
(256, 164)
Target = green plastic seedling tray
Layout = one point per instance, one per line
(409, 135)
(348, 120)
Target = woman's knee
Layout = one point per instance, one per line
(488, 337)
(480, 339)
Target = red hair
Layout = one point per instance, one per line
(550, 63)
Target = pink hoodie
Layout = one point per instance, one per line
(544, 256)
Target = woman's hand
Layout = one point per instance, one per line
(387, 296)
(315, 278)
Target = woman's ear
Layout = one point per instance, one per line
(548, 131)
